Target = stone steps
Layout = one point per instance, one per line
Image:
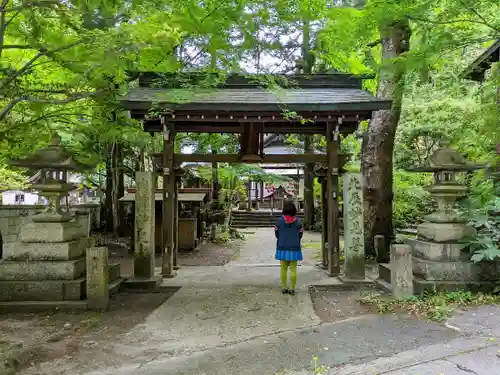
(256, 219)
(113, 271)
(115, 280)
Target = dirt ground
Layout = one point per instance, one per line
(334, 304)
(208, 255)
(27, 340)
(85, 337)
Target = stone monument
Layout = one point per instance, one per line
(354, 246)
(441, 260)
(48, 262)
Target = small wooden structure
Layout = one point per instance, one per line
(190, 231)
(476, 71)
(328, 104)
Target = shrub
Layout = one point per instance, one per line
(411, 202)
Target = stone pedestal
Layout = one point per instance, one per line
(48, 264)
(97, 277)
(401, 271)
(442, 262)
(354, 249)
(94, 210)
(144, 234)
(82, 218)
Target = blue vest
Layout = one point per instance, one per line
(288, 235)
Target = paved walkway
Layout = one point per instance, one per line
(477, 352)
(233, 320)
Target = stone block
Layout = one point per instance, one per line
(381, 248)
(456, 271)
(444, 232)
(10, 238)
(97, 277)
(401, 271)
(51, 232)
(114, 272)
(354, 249)
(13, 229)
(82, 218)
(42, 270)
(47, 290)
(45, 251)
(436, 251)
(144, 225)
(384, 272)
(143, 284)
(13, 221)
(431, 286)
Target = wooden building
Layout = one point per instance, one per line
(477, 69)
(327, 104)
(190, 225)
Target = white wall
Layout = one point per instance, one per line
(9, 197)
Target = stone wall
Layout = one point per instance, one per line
(12, 217)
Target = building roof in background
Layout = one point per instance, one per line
(478, 68)
(183, 197)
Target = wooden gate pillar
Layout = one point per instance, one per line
(320, 171)
(332, 184)
(176, 223)
(324, 224)
(169, 200)
(251, 142)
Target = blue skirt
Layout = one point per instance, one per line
(288, 255)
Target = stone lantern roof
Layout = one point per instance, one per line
(50, 157)
(446, 159)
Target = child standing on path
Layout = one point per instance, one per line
(288, 231)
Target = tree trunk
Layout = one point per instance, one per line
(108, 203)
(378, 141)
(114, 188)
(308, 187)
(307, 67)
(215, 179)
(120, 192)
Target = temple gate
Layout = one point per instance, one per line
(332, 105)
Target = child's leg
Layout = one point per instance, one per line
(284, 273)
(293, 274)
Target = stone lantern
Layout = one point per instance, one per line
(47, 263)
(54, 164)
(440, 257)
(445, 224)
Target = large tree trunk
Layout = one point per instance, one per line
(378, 141)
(215, 179)
(308, 187)
(114, 188)
(307, 67)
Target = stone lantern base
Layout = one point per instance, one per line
(441, 262)
(47, 264)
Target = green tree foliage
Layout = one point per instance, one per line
(64, 66)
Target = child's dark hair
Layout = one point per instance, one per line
(289, 208)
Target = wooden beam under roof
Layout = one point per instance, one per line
(236, 158)
(271, 128)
